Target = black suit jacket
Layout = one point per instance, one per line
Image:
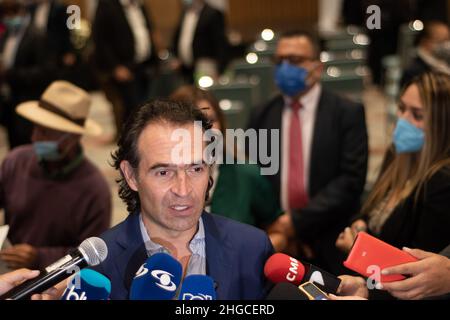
(33, 67)
(113, 37)
(57, 33)
(338, 168)
(33, 70)
(209, 37)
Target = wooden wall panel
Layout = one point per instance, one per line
(251, 16)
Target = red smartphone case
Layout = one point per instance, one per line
(370, 255)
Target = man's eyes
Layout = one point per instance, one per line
(197, 169)
(168, 173)
(163, 173)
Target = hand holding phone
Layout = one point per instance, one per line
(369, 255)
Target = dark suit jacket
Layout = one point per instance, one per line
(113, 37)
(338, 167)
(235, 257)
(209, 38)
(33, 70)
(57, 33)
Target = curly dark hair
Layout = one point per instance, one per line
(161, 110)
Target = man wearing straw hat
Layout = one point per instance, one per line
(52, 195)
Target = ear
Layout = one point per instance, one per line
(130, 175)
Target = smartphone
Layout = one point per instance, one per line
(369, 256)
(312, 291)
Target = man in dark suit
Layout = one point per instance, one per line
(26, 68)
(49, 17)
(324, 151)
(200, 39)
(125, 54)
(165, 196)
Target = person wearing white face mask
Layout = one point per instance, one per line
(431, 45)
(53, 196)
(409, 203)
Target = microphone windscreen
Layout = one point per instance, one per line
(157, 279)
(87, 285)
(282, 268)
(94, 250)
(286, 291)
(197, 287)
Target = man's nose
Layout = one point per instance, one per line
(181, 186)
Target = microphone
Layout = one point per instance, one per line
(197, 287)
(283, 268)
(87, 285)
(91, 252)
(157, 279)
(321, 278)
(286, 291)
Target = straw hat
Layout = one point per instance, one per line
(62, 107)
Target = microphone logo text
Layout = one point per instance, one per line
(292, 270)
(190, 296)
(165, 280)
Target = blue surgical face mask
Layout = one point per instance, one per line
(290, 79)
(47, 150)
(187, 3)
(407, 137)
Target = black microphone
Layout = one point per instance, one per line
(286, 291)
(91, 252)
(282, 268)
(321, 278)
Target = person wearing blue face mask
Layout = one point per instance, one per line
(324, 150)
(53, 196)
(409, 204)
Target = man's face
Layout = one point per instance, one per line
(299, 51)
(171, 191)
(66, 141)
(440, 33)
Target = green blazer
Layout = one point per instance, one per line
(244, 195)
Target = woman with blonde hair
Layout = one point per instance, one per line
(409, 205)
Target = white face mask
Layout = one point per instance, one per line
(442, 52)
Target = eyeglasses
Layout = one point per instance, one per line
(292, 59)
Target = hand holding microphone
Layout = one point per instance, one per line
(91, 252)
(12, 279)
